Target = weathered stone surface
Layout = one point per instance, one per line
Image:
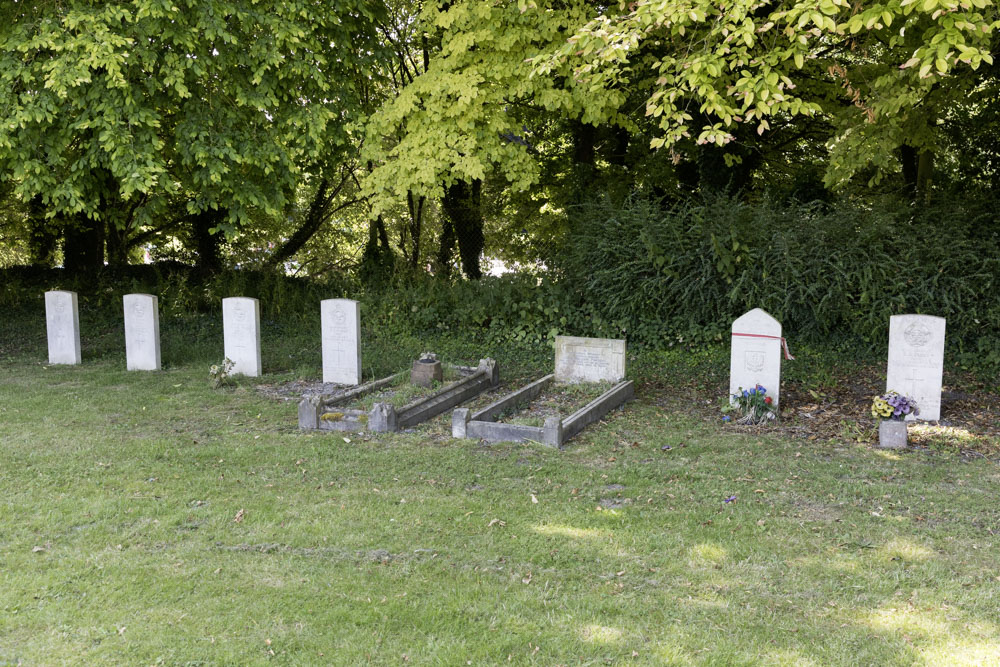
(460, 422)
(597, 409)
(892, 434)
(62, 324)
(341, 327)
(382, 418)
(756, 354)
(589, 359)
(241, 334)
(426, 372)
(142, 332)
(916, 361)
(552, 431)
(309, 410)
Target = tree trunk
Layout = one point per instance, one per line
(462, 203)
(376, 261)
(446, 249)
(207, 245)
(415, 205)
(43, 239)
(315, 217)
(116, 241)
(83, 245)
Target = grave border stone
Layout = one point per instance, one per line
(556, 430)
(57, 356)
(319, 413)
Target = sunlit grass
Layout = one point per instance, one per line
(119, 544)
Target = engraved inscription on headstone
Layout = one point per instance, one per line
(142, 332)
(589, 359)
(756, 354)
(241, 334)
(916, 361)
(62, 323)
(341, 328)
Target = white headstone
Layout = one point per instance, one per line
(589, 359)
(62, 323)
(916, 361)
(241, 334)
(340, 320)
(756, 354)
(142, 332)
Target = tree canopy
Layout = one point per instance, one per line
(324, 135)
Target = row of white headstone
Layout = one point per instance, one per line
(916, 345)
(915, 368)
(340, 322)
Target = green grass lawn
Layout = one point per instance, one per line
(119, 494)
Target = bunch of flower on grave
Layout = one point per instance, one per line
(752, 406)
(893, 406)
(219, 374)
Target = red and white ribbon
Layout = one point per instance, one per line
(784, 343)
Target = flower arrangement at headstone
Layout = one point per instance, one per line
(221, 374)
(753, 406)
(891, 410)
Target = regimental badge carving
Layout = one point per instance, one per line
(339, 316)
(917, 334)
(139, 309)
(754, 361)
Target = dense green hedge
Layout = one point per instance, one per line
(826, 272)
(832, 275)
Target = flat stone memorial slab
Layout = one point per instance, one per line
(916, 361)
(241, 334)
(142, 332)
(589, 359)
(62, 325)
(756, 354)
(341, 327)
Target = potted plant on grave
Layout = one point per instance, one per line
(753, 406)
(891, 410)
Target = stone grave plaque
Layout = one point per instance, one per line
(916, 361)
(142, 332)
(341, 325)
(756, 354)
(589, 359)
(241, 334)
(62, 324)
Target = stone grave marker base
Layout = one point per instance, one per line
(323, 412)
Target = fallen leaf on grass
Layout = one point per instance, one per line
(496, 522)
(36, 550)
(527, 579)
(239, 516)
(534, 500)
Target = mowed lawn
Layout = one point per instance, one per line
(146, 518)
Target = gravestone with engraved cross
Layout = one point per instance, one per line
(916, 361)
(340, 321)
(241, 334)
(142, 332)
(62, 324)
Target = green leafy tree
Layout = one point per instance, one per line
(884, 73)
(221, 104)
